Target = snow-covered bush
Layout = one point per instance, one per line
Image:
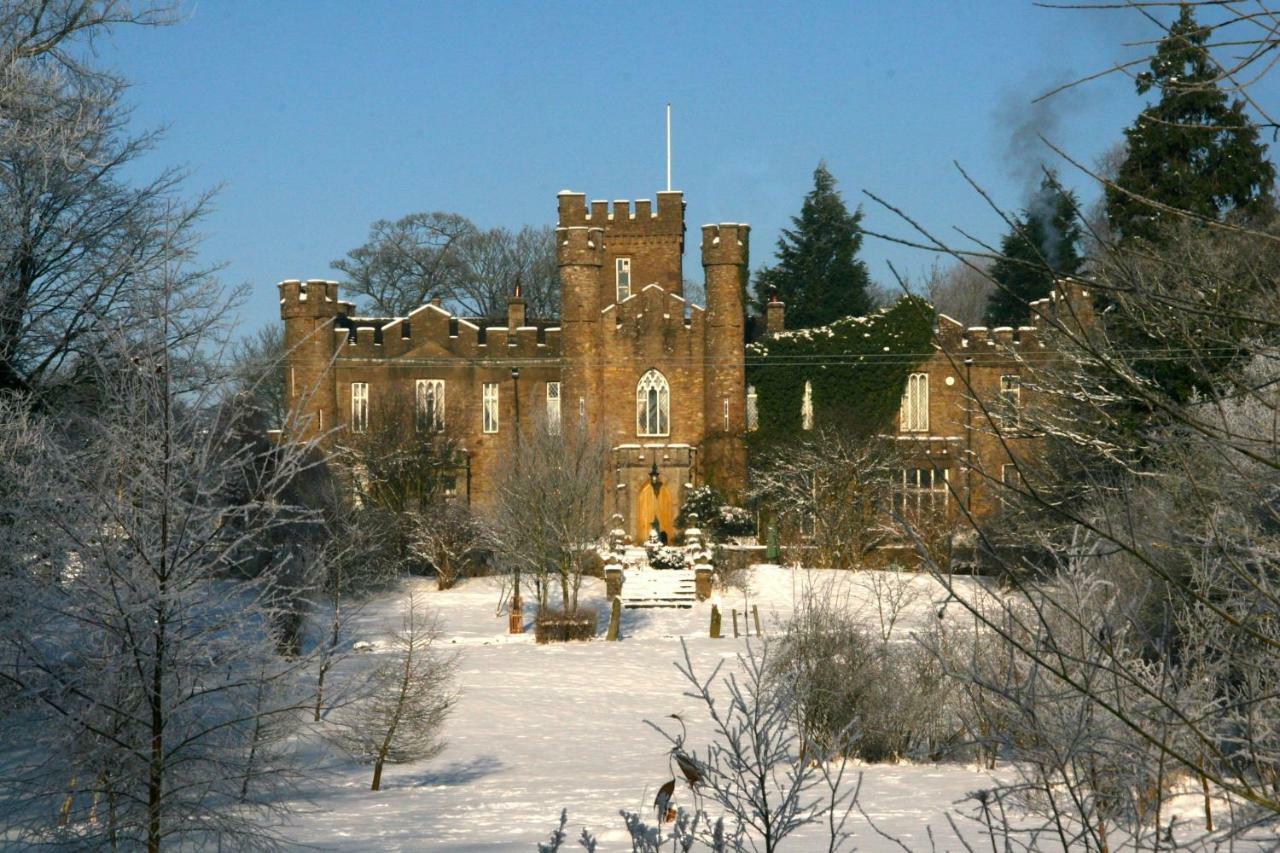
(861, 696)
(668, 557)
(706, 506)
(735, 521)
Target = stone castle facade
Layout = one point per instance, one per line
(661, 378)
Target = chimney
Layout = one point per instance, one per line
(774, 314)
(516, 309)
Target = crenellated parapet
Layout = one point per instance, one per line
(430, 331)
(620, 218)
(312, 298)
(727, 243)
(579, 245)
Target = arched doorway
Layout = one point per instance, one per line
(650, 504)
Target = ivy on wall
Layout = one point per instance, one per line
(857, 368)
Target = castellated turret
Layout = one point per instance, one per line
(580, 255)
(725, 254)
(651, 241)
(308, 310)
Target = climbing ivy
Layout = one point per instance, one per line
(856, 366)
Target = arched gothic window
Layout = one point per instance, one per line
(653, 405)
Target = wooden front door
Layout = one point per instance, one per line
(651, 504)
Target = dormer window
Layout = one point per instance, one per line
(622, 277)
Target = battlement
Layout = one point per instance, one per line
(622, 219)
(579, 245)
(315, 297)
(726, 243)
(431, 331)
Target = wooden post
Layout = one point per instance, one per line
(715, 621)
(515, 619)
(615, 619)
(755, 613)
(735, 623)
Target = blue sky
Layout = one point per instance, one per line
(317, 118)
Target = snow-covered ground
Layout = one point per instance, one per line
(541, 728)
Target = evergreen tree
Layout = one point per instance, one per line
(1042, 246)
(818, 274)
(1193, 150)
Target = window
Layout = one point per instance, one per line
(622, 276)
(1011, 480)
(429, 394)
(553, 408)
(921, 491)
(806, 406)
(1010, 399)
(489, 398)
(359, 406)
(753, 409)
(914, 416)
(653, 405)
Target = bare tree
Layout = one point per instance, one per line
(258, 372)
(449, 538)
(836, 487)
(412, 694)
(495, 261)
(144, 660)
(425, 256)
(79, 243)
(960, 290)
(407, 263)
(548, 521)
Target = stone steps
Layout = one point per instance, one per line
(648, 587)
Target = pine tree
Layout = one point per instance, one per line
(1193, 150)
(1042, 246)
(818, 274)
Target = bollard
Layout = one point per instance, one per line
(755, 612)
(735, 623)
(715, 622)
(615, 619)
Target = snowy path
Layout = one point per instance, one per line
(540, 728)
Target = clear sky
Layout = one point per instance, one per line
(317, 118)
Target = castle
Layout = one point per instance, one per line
(661, 378)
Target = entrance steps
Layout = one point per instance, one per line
(648, 587)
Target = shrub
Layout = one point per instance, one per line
(704, 502)
(555, 626)
(707, 505)
(861, 696)
(666, 557)
(735, 521)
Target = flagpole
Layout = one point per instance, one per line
(668, 146)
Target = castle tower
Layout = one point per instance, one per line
(643, 245)
(725, 252)
(580, 255)
(308, 310)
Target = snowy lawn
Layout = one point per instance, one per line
(540, 728)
